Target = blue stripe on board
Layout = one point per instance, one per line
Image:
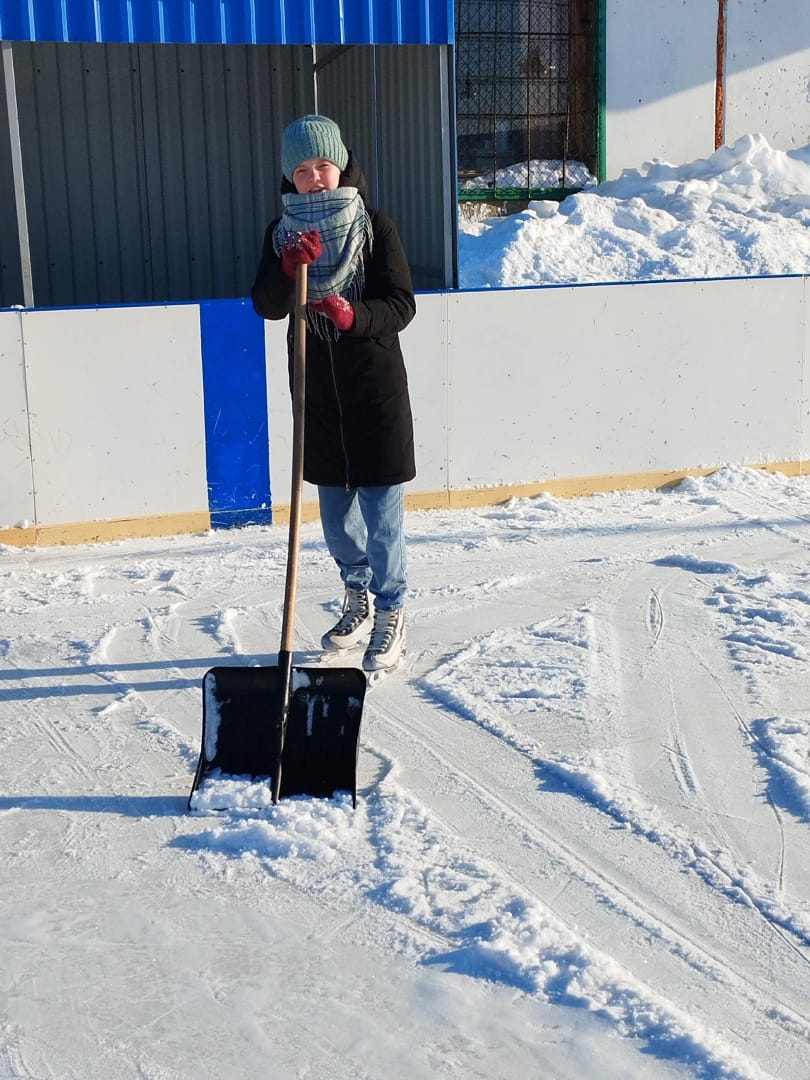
(237, 454)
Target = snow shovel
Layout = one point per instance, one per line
(298, 728)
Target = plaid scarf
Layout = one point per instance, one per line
(341, 218)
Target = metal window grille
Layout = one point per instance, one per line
(526, 89)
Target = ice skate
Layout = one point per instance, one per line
(353, 626)
(386, 645)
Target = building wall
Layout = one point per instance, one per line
(11, 287)
(768, 71)
(661, 75)
(391, 102)
(150, 420)
(151, 171)
(660, 78)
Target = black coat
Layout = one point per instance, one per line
(358, 429)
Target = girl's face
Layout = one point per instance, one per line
(315, 174)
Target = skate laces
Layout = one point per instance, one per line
(355, 611)
(386, 625)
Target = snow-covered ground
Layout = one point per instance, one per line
(581, 844)
(744, 210)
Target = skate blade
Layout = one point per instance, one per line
(379, 675)
(352, 657)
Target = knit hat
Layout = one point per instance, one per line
(312, 136)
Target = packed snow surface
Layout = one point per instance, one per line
(744, 210)
(580, 847)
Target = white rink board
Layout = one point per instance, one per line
(515, 386)
(509, 387)
(600, 380)
(117, 422)
(424, 346)
(16, 482)
(279, 407)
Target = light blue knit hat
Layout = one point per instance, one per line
(312, 136)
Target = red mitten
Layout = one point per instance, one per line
(337, 308)
(300, 247)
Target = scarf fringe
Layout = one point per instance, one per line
(344, 224)
(321, 325)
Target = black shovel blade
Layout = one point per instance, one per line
(242, 736)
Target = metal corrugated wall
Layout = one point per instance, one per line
(151, 171)
(346, 91)
(10, 278)
(282, 22)
(392, 103)
(417, 156)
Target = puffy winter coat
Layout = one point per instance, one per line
(358, 428)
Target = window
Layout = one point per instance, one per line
(527, 97)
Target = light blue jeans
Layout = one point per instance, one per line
(363, 530)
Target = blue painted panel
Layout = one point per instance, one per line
(236, 437)
(280, 22)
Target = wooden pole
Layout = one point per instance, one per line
(720, 78)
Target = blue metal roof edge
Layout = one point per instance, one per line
(224, 22)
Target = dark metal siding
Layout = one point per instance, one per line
(392, 104)
(151, 171)
(279, 22)
(417, 156)
(11, 286)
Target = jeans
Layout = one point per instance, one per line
(363, 530)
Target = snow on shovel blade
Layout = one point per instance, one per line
(243, 745)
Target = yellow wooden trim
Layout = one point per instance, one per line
(560, 487)
(428, 500)
(84, 532)
(21, 536)
(574, 486)
(310, 511)
(88, 532)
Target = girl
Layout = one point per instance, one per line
(358, 429)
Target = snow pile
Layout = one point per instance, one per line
(743, 211)
(785, 744)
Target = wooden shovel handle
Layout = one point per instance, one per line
(299, 398)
